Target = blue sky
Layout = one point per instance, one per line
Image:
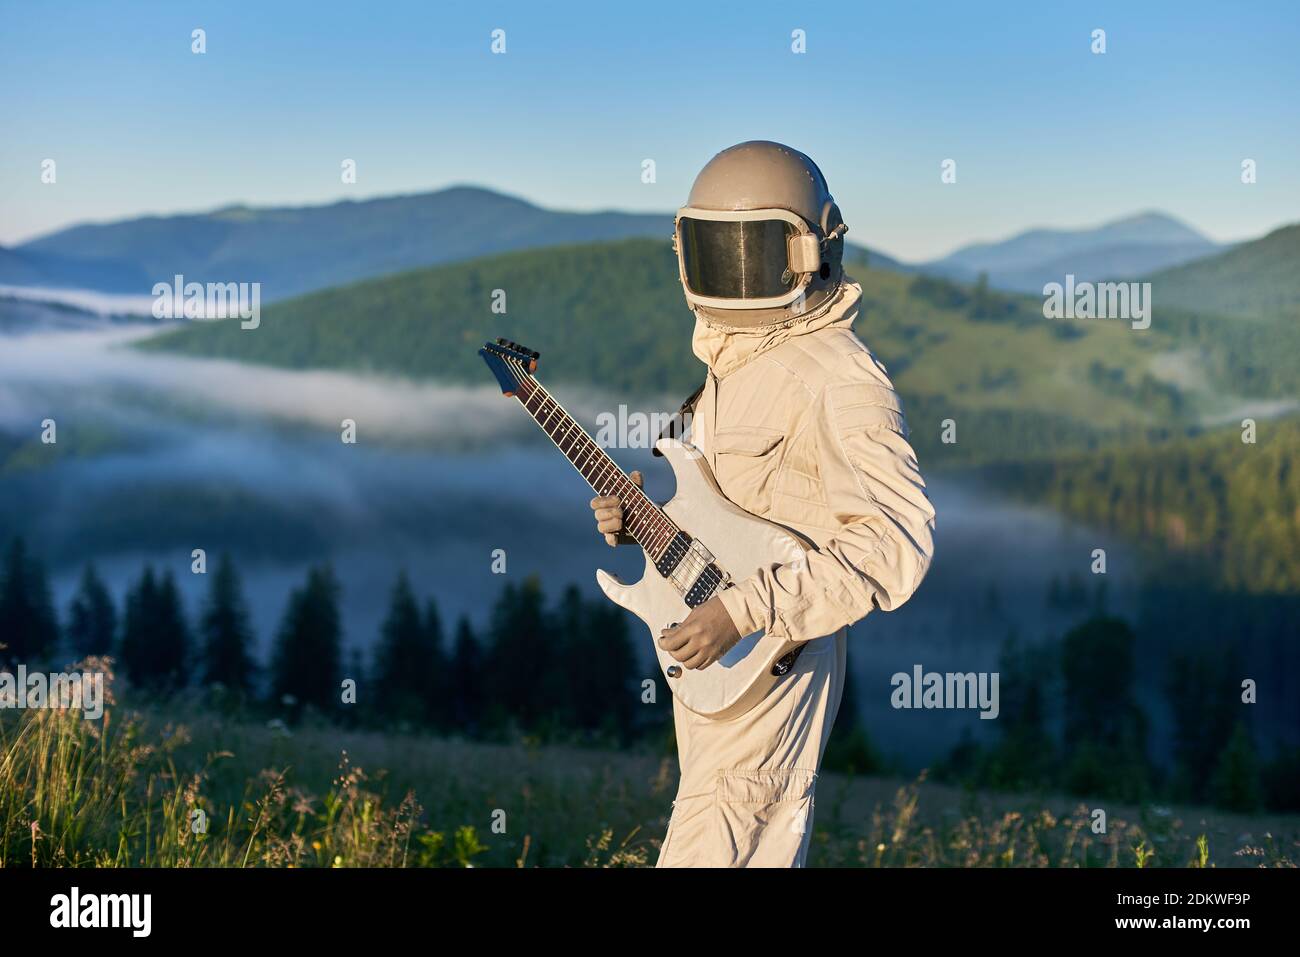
(1044, 132)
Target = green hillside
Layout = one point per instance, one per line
(609, 313)
(1258, 279)
(612, 315)
(1214, 500)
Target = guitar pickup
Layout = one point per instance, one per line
(710, 582)
(672, 557)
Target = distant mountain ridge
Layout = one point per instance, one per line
(1122, 249)
(291, 250)
(25, 267)
(298, 249)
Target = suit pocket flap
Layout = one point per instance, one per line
(865, 406)
(746, 441)
(765, 787)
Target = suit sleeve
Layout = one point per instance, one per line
(883, 549)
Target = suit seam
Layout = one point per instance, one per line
(797, 377)
(857, 473)
(790, 440)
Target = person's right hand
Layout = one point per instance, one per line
(609, 515)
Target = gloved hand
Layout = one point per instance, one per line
(609, 515)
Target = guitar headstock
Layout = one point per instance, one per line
(510, 363)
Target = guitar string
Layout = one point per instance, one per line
(661, 534)
(661, 530)
(659, 524)
(580, 454)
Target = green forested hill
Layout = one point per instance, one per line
(1234, 506)
(1258, 279)
(612, 315)
(602, 313)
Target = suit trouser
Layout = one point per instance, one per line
(745, 798)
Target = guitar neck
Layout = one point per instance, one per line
(642, 519)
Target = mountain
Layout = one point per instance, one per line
(1123, 249)
(291, 250)
(861, 257)
(294, 250)
(27, 267)
(25, 315)
(1259, 279)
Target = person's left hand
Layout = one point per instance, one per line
(705, 636)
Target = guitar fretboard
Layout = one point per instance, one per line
(642, 519)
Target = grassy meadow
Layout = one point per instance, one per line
(189, 786)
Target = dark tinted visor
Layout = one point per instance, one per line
(736, 260)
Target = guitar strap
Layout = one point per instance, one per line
(677, 424)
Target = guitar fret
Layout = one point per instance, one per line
(643, 520)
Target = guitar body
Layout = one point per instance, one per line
(696, 546)
(741, 543)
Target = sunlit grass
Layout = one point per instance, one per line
(144, 790)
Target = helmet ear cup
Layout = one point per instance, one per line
(833, 255)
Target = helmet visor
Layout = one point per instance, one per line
(729, 259)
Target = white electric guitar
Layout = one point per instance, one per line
(696, 545)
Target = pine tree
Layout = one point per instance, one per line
(465, 685)
(519, 658)
(436, 677)
(155, 636)
(1204, 703)
(174, 663)
(92, 619)
(849, 747)
(226, 633)
(307, 663)
(1104, 728)
(1236, 784)
(1025, 755)
(405, 657)
(596, 677)
(28, 625)
(138, 629)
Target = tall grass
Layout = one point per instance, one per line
(76, 792)
(140, 789)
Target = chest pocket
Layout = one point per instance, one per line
(747, 459)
